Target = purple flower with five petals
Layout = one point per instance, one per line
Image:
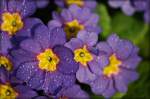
(91, 4)
(43, 62)
(14, 15)
(75, 19)
(114, 66)
(9, 90)
(84, 54)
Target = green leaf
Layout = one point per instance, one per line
(129, 27)
(105, 20)
(118, 95)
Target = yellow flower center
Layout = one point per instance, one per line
(77, 2)
(113, 67)
(72, 28)
(48, 60)
(11, 23)
(7, 92)
(5, 62)
(82, 56)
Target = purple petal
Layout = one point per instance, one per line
(129, 75)
(67, 63)
(127, 8)
(74, 43)
(84, 15)
(132, 62)
(113, 41)
(99, 85)
(42, 36)
(25, 7)
(94, 66)
(84, 75)
(110, 91)
(147, 16)
(3, 6)
(66, 15)
(90, 4)
(53, 24)
(31, 45)
(21, 56)
(98, 64)
(5, 43)
(29, 25)
(69, 80)
(116, 3)
(93, 20)
(52, 82)
(57, 37)
(26, 71)
(37, 80)
(104, 47)
(3, 75)
(73, 92)
(93, 29)
(120, 85)
(42, 3)
(124, 49)
(89, 38)
(75, 10)
(25, 92)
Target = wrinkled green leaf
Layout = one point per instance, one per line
(105, 20)
(129, 27)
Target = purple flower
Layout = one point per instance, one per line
(114, 66)
(82, 3)
(43, 62)
(17, 92)
(10, 91)
(83, 54)
(73, 92)
(14, 17)
(75, 19)
(129, 7)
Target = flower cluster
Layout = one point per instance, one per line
(49, 61)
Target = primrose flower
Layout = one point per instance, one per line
(91, 4)
(129, 7)
(43, 62)
(75, 19)
(14, 17)
(8, 91)
(73, 92)
(84, 55)
(115, 66)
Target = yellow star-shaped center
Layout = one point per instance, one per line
(113, 67)
(83, 56)
(48, 60)
(11, 23)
